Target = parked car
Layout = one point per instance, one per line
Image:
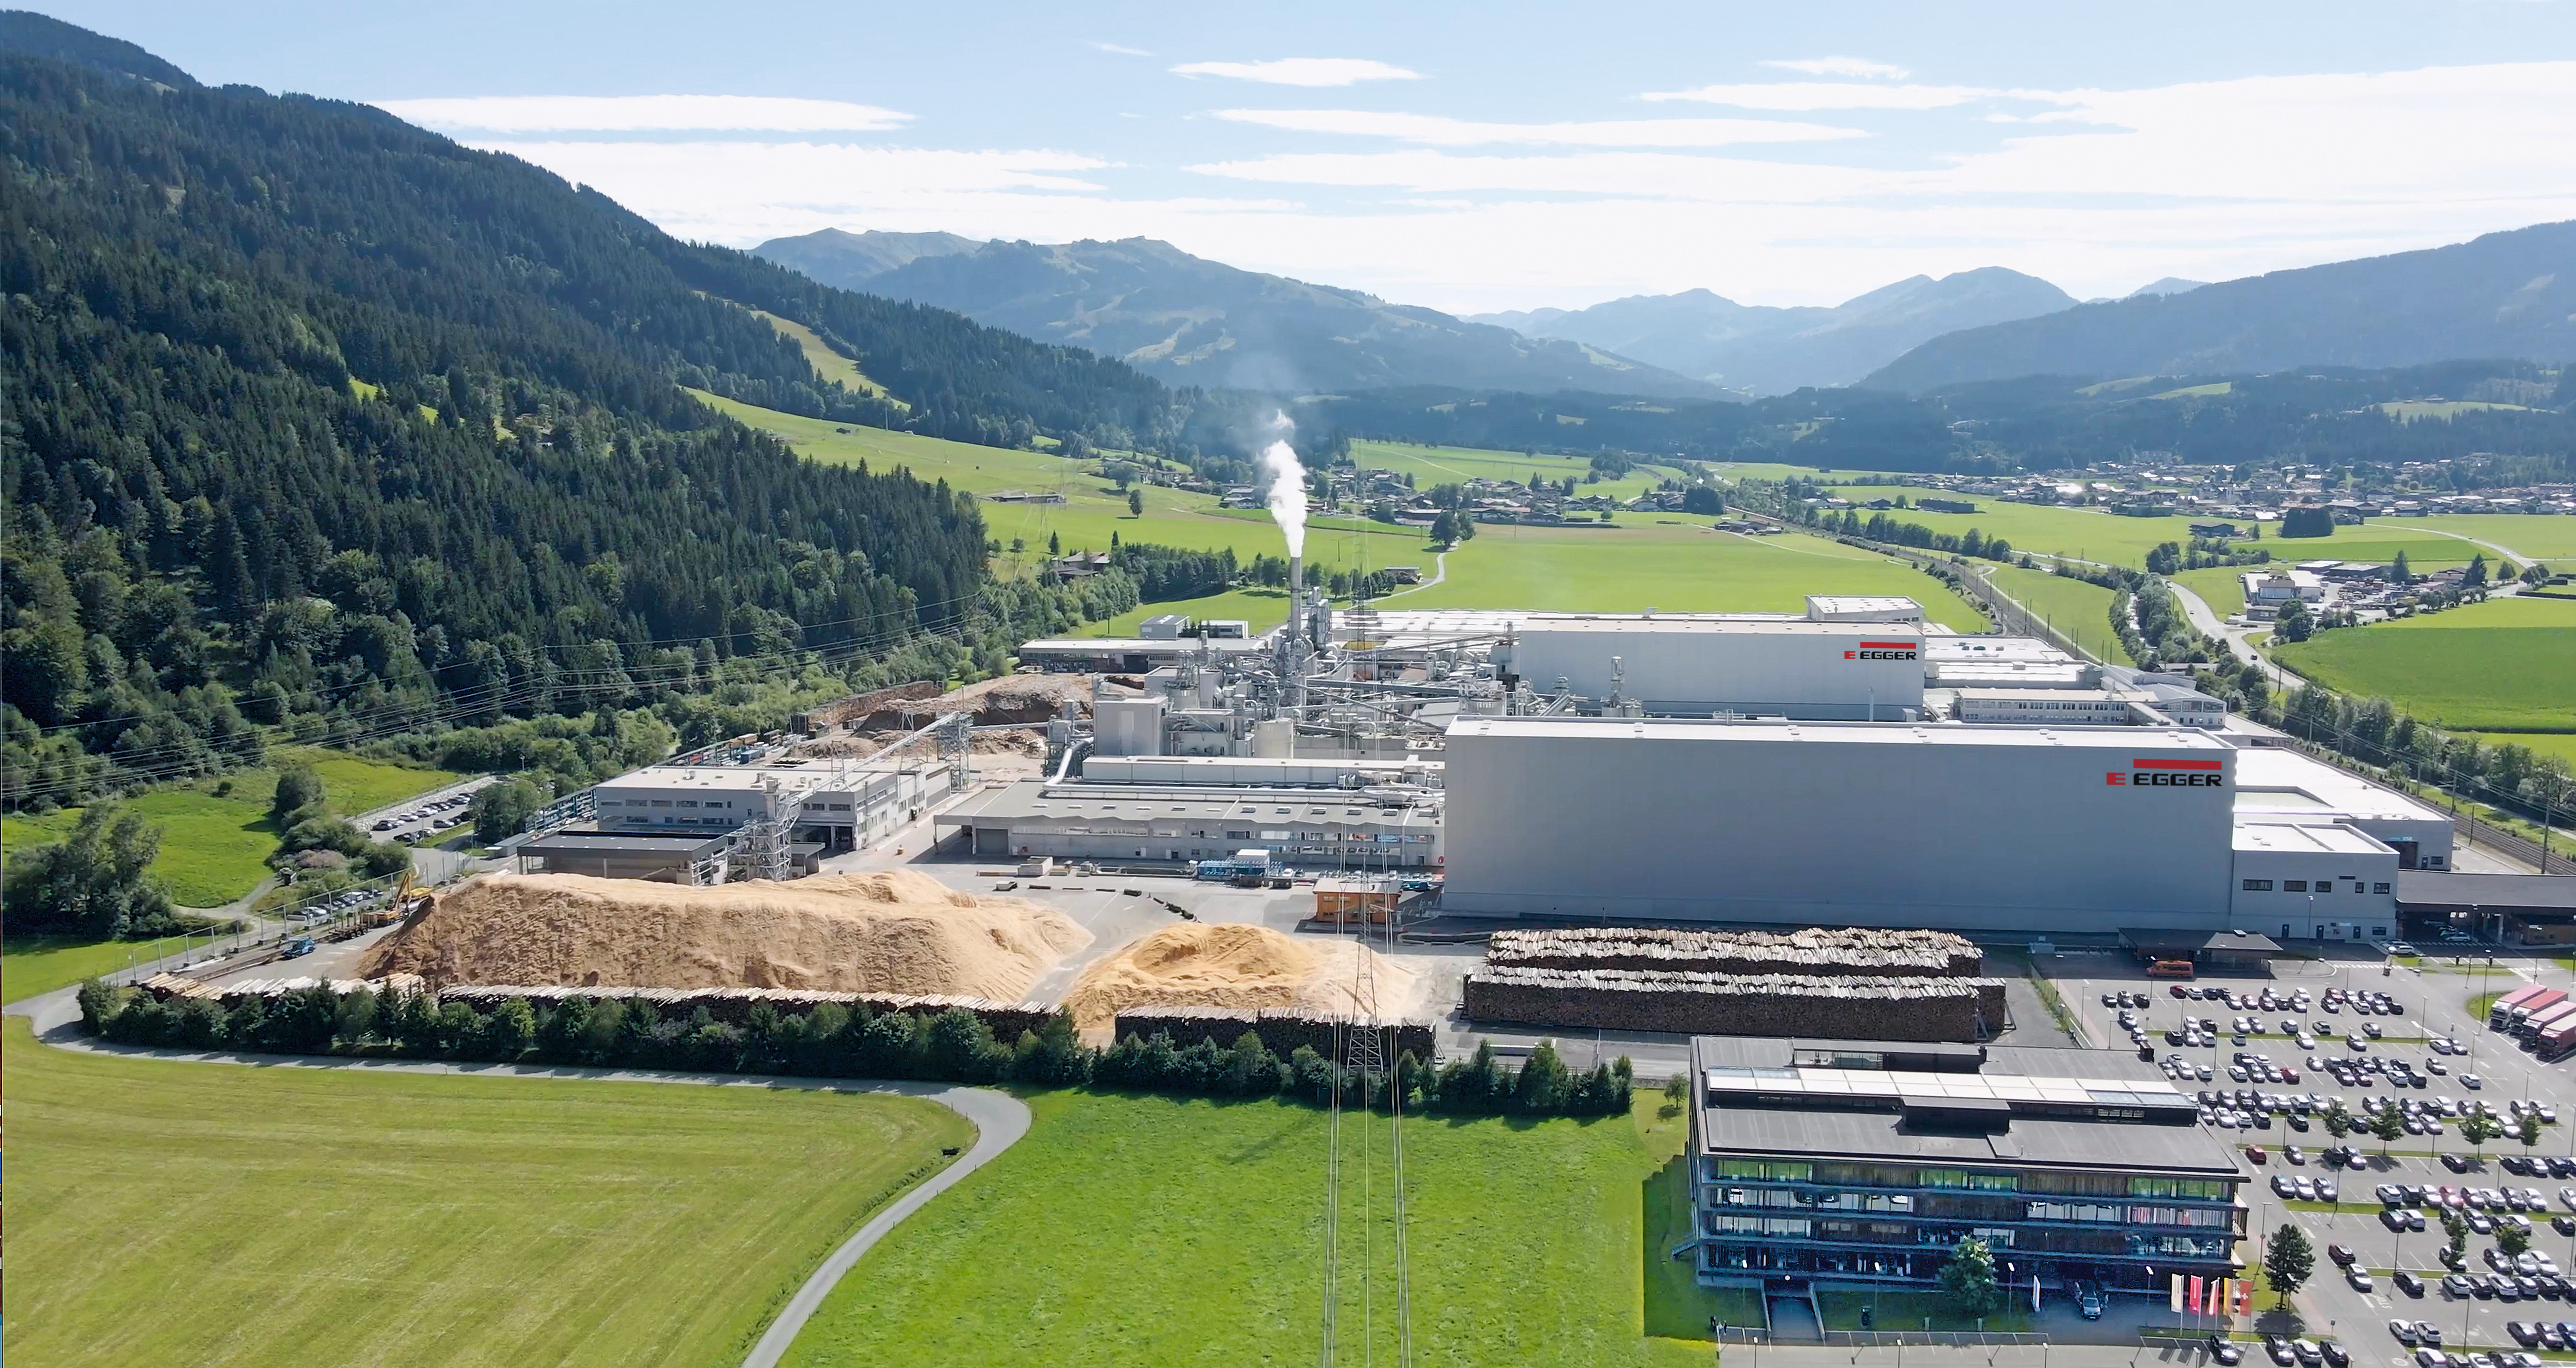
(2223, 1350)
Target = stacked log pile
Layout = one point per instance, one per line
(1283, 1030)
(1816, 952)
(1687, 1002)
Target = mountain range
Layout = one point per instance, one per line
(1758, 349)
(1192, 321)
(2504, 295)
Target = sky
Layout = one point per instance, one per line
(1494, 156)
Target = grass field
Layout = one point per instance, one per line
(1433, 465)
(2222, 587)
(2547, 538)
(1146, 1230)
(2080, 611)
(30, 965)
(2090, 534)
(219, 1215)
(215, 846)
(2502, 665)
(1092, 509)
(2560, 744)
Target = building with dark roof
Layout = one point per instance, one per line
(1817, 1163)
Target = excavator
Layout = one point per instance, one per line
(408, 901)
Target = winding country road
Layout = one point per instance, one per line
(999, 1120)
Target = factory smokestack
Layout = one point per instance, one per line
(1296, 576)
(1287, 493)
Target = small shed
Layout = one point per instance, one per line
(2210, 952)
(1345, 899)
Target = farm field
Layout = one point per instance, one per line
(2220, 586)
(2502, 665)
(1670, 565)
(311, 1216)
(30, 965)
(2079, 610)
(215, 846)
(2089, 534)
(2547, 538)
(1431, 465)
(1092, 509)
(1154, 1230)
(2559, 744)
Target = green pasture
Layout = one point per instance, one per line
(1644, 561)
(2548, 538)
(2409, 410)
(1128, 1230)
(212, 1214)
(1093, 509)
(1671, 565)
(2093, 535)
(2222, 587)
(2080, 611)
(1435, 465)
(30, 965)
(2559, 744)
(215, 845)
(829, 364)
(2502, 665)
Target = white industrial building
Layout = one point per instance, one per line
(834, 804)
(1709, 666)
(1963, 826)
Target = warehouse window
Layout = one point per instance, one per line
(2301, 886)
(2258, 885)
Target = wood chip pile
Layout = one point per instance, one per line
(1283, 1031)
(1689, 1003)
(1817, 952)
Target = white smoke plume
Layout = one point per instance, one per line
(1287, 494)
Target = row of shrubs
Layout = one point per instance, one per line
(832, 1041)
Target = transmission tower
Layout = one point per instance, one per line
(1367, 1053)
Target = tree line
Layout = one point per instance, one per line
(832, 1040)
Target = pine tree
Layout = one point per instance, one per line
(2289, 1260)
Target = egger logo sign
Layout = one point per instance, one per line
(1885, 650)
(2144, 773)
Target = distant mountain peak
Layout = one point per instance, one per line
(1201, 322)
(2169, 285)
(1768, 350)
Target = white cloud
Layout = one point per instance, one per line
(1799, 95)
(1302, 71)
(1635, 175)
(643, 113)
(1445, 132)
(1121, 51)
(1842, 66)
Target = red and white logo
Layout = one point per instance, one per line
(1886, 650)
(2149, 773)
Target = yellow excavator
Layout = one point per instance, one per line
(409, 900)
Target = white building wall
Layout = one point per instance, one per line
(2321, 881)
(1789, 669)
(1953, 827)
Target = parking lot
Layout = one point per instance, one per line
(2272, 1059)
(417, 818)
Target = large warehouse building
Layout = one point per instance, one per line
(1748, 667)
(1839, 823)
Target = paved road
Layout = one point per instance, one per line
(1439, 572)
(999, 1120)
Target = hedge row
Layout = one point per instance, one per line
(830, 1040)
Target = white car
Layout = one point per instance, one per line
(2472, 1082)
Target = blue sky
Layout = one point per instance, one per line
(1496, 156)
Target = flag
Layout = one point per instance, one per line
(2244, 1295)
(2034, 1293)
(2177, 1294)
(2195, 1293)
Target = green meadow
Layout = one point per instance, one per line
(2503, 665)
(212, 1214)
(215, 834)
(2222, 587)
(1191, 1231)
(2550, 539)
(2078, 610)
(2091, 534)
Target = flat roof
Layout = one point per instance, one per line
(2427, 889)
(1859, 1114)
(2305, 838)
(1663, 625)
(2280, 768)
(1870, 733)
(1034, 799)
(2170, 944)
(1144, 645)
(1861, 603)
(1988, 649)
(793, 780)
(2085, 695)
(569, 841)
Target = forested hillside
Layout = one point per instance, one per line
(309, 414)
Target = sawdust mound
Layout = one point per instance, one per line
(892, 932)
(1231, 965)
